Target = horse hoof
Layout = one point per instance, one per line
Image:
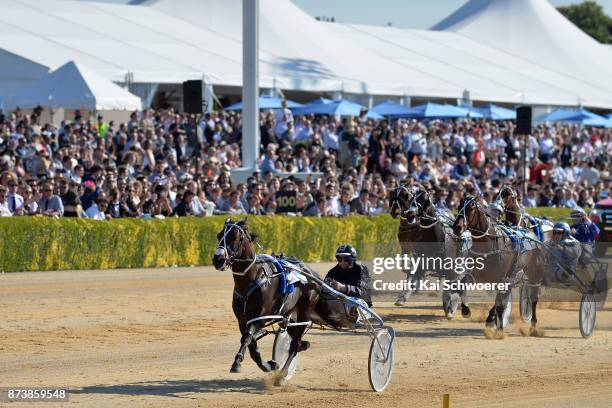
(466, 313)
(400, 301)
(273, 365)
(304, 345)
(235, 368)
(266, 367)
(490, 323)
(280, 381)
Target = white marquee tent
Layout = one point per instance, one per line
(73, 86)
(485, 71)
(455, 61)
(169, 41)
(535, 31)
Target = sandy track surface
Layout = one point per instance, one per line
(167, 337)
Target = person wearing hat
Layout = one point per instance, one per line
(583, 229)
(348, 276)
(561, 231)
(495, 211)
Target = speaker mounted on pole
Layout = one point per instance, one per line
(192, 97)
(523, 120)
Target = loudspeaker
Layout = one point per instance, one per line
(523, 120)
(192, 96)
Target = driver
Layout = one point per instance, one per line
(348, 276)
(583, 229)
(561, 231)
(495, 211)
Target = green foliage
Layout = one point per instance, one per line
(41, 244)
(590, 18)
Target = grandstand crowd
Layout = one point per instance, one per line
(164, 163)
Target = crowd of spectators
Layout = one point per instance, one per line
(164, 163)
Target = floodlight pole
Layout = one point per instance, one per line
(250, 83)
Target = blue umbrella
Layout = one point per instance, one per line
(374, 115)
(436, 110)
(304, 108)
(495, 112)
(334, 108)
(578, 116)
(390, 108)
(468, 111)
(267, 102)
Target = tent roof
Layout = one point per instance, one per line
(535, 31)
(73, 86)
(168, 41)
(488, 73)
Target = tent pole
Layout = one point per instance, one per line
(250, 83)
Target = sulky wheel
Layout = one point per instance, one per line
(380, 361)
(588, 310)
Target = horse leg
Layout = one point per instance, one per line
(245, 341)
(490, 322)
(534, 294)
(266, 367)
(402, 297)
(450, 302)
(500, 301)
(465, 307)
(296, 345)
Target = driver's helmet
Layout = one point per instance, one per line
(495, 211)
(563, 228)
(577, 214)
(346, 251)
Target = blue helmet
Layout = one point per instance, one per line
(577, 213)
(346, 250)
(562, 227)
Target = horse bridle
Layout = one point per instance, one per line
(513, 195)
(420, 210)
(462, 213)
(396, 201)
(229, 253)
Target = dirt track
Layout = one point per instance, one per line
(167, 338)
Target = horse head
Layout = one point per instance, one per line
(234, 244)
(470, 217)
(399, 201)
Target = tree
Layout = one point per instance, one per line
(590, 18)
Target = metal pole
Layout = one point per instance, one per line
(446, 401)
(525, 175)
(250, 83)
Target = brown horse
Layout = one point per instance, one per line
(517, 217)
(503, 256)
(257, 294)
(423, 232)
(409, 231)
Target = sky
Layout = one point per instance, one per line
(401, 13)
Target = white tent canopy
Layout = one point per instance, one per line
(170, 41)
(73, 86)
(392, 61)
(535, 31)
(485, 71)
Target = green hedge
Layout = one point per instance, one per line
(33, 243)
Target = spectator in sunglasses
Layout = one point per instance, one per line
(50, 205)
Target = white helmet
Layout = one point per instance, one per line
(495, 210)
